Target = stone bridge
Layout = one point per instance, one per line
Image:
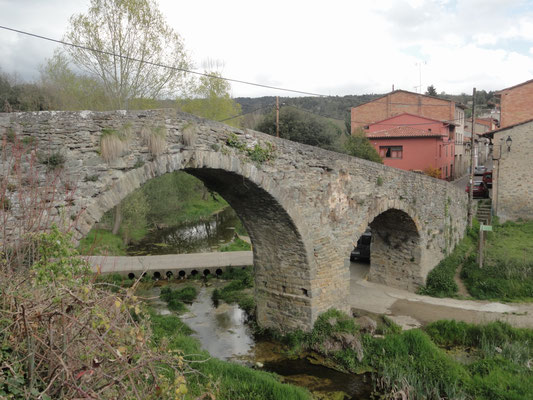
(304, 207)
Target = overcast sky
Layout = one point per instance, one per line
(334, 47)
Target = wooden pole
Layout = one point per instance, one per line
(471, 191)
(481, 239)
(277, 116)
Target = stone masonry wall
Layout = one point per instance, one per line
(304, 209)
(513, 182)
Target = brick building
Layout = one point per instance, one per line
(512, 183)
(516, 103)
(402, 101)
(414, 143)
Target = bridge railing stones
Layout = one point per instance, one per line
(304, 207)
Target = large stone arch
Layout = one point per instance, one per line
(281, 260)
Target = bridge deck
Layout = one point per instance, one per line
(172, 262)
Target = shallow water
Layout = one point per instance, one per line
(189, 237)
(223, 332)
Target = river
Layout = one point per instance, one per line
(223, 332)
(189, 237)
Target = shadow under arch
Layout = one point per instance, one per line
(282, 271)
(396, 254)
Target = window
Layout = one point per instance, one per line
(391, 151)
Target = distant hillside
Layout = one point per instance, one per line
(337, 108)
(333, 107)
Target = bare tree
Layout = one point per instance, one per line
(120, 32)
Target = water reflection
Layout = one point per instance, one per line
(222, 331)
(195, 237)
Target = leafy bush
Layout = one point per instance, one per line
(62, 335)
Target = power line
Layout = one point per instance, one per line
(159, 65)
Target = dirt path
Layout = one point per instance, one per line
(411, 310)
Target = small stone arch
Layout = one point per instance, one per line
(396, 251)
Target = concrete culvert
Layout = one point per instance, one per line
(157, 275)
(143, 275)
(194, 272)
(169, 274)
(131, 275)
(182, 274)
(218, 272)
(206, 272)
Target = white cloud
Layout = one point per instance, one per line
(339, 47)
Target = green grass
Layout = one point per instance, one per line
(415, 363)
(225, 380)
(507, 273)
(236, 291)
(102, 242)
(440, 281)
(237, 245)
(176, 298)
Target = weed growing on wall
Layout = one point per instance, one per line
(155, 138)
(258, 154)
(113, 143)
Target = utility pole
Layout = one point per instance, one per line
(277, 116)
(471, 191)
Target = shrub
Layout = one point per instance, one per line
(53, 161)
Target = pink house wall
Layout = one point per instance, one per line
(420, 153)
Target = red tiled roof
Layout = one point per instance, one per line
(402, 131)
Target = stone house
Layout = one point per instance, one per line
(402, 101)
(414, 143)
(512, 176)
(516, 103)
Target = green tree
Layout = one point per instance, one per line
(70, 90)
(120, 31)
(431, 91)
(134, 210)
(358, 145)
(302, 127)
(211, 99)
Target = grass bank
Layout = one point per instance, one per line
(415, 364)
(218, 379)
(507, 273)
